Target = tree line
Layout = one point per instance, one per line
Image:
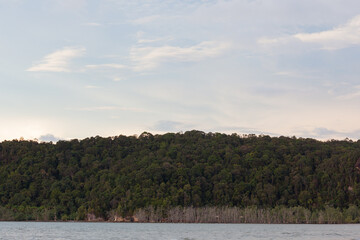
(192, 171)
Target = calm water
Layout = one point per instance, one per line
(87, 231)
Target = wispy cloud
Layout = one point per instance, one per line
(146, 58)
(109, 108)
(170, 126)
(117, 79)
(92, 24)
(71, 4)
(48, 138)
(149, 57)
(351, 95)
(143, 40)
(140, 35)
(91, 87)
(241, 130)
(296, 74)
(275, 41)
(145, 20)
(286, 73)
(101, 108)
(327, 134)
(105, 66)
(58, 61)
(337, 38)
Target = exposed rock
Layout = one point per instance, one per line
(118, 219)
(90, 217)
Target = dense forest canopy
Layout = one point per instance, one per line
(122, 174)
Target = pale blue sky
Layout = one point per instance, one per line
(80, 68)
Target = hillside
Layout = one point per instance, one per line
(123, 176)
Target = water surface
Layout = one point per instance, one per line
(89, 231)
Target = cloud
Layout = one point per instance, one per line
(48, 138)
(241, 130)
(72, 4)
(275, 41)
(117, 79)
(337, 38)
(58, 61)
(108, 65)
(92, 24)
(145, 20)
(143, 40)
(11, 2)
(285, 73)
(146, 58)
(109, 108)
(101, 108)
(165, 39)
(169, 126)
(91, 87)
(325, 133)
(352, 95)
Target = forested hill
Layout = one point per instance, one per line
(121, 174)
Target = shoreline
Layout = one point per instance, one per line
(211, 215)
(168, 222)
(180, 223)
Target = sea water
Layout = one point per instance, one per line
(89, 231)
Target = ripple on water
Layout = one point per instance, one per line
(138, 231)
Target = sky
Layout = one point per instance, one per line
(80, 68)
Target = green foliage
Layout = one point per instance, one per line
(71, 179)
